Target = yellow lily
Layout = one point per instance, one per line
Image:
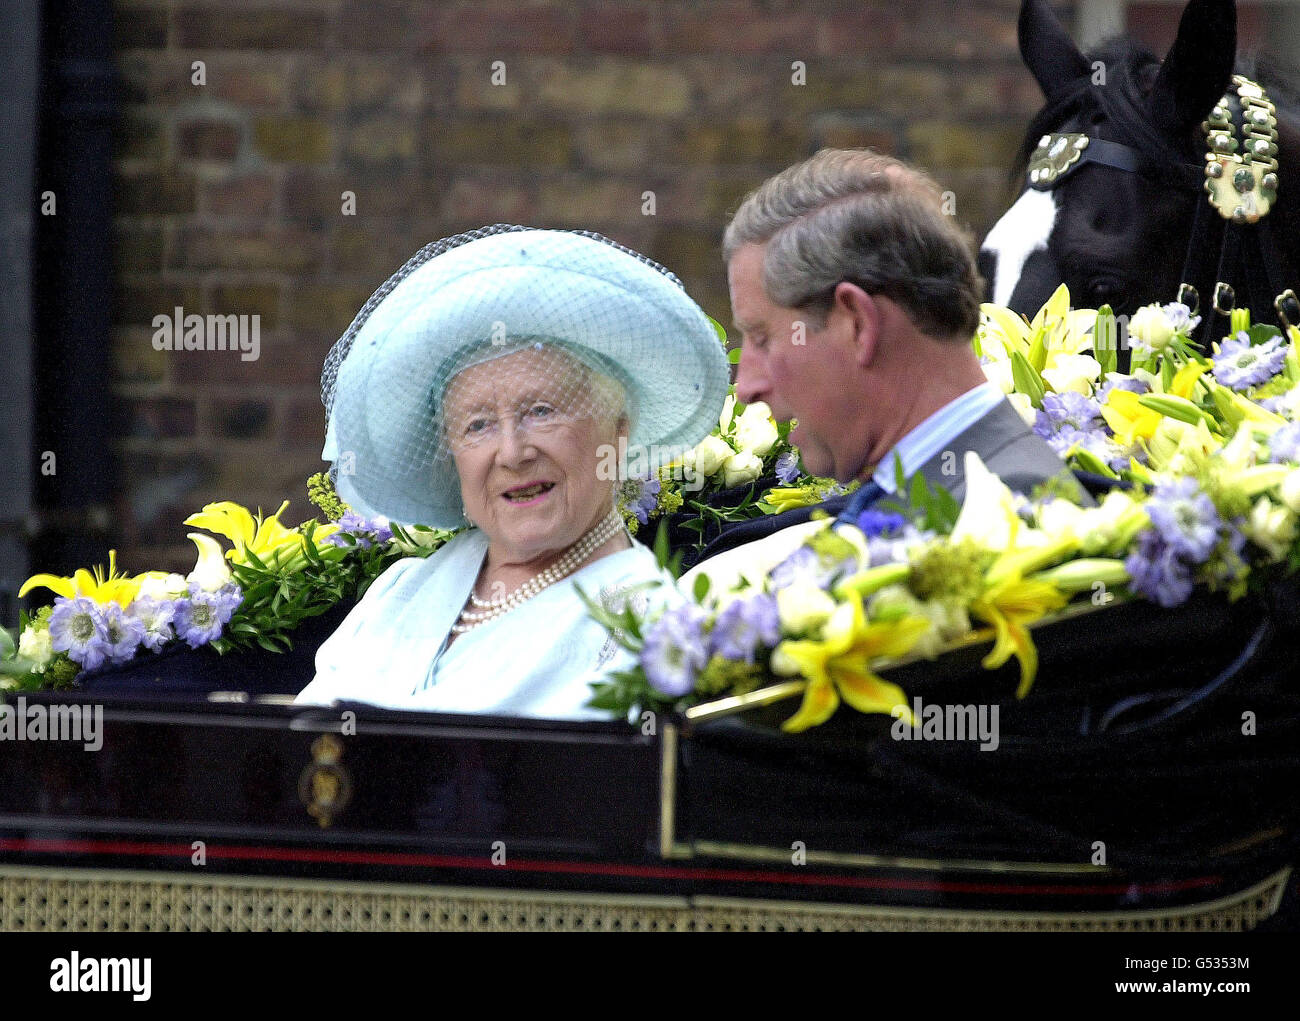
(1131, 421)
(266, 538)
(96, 585)
(839, 666)
(1009, 605)
(1053, 342)
(788, 498)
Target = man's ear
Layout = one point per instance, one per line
(863, 316)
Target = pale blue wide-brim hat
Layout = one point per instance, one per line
(477, 296)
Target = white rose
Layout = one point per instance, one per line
(741, 468)
(1151, 327)
(34, 644)
(755, 430)
(709, 455)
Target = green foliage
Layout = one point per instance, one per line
(278, 600)
(321, 492)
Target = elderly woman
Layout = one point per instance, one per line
(496, 382)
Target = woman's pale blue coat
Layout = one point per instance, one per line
(538, 660)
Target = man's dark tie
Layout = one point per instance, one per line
(860, 501)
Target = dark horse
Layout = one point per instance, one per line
(1124, 218)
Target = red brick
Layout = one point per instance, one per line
(737, 26)
(219, 28)
(137, 302)
(489, 198)
(860, 30)
(498, 28)
(265, 248)
(255, 82)
(244, 195)
(154, 193)
(282, 361)
(208, 140)
(621, 28)
(378, 25)
(153, 417)
(302, 423)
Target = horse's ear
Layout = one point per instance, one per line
(1198, 69)
(1048, 51)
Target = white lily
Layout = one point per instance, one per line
(211, 571)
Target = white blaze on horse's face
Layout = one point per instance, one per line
(1022, 230)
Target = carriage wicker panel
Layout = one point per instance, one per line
(73, 900)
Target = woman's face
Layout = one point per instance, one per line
(527, 438)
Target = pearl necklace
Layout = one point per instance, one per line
(610, 526)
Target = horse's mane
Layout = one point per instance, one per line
(1130, 68)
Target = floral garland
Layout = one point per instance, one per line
(253, 594)
(1205, 455)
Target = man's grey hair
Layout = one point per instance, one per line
(858, 216)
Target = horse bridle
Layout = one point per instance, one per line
(1240, 187)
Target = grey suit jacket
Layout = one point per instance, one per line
(1009, 448)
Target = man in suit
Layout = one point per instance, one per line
(856, 298)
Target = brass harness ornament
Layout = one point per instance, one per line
(1242, 185)
(1055, 155)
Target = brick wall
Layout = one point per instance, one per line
(229, 196)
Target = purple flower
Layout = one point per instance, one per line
(787, 468)
(647, 498)
(880, 523)
(364, 530)
(1185, 518)
(743, 626)
(124, 633)
(156, 618)
(200, 617)
(1118, 381)
(1284, 445)
(1157, 572)
(804, 564)
(1066, 410)
(1069, 420)
(77, 628)
(1241, 365)
(674, 652)
(1180, 317)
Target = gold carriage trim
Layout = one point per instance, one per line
(1242, 185)
(87, 900)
